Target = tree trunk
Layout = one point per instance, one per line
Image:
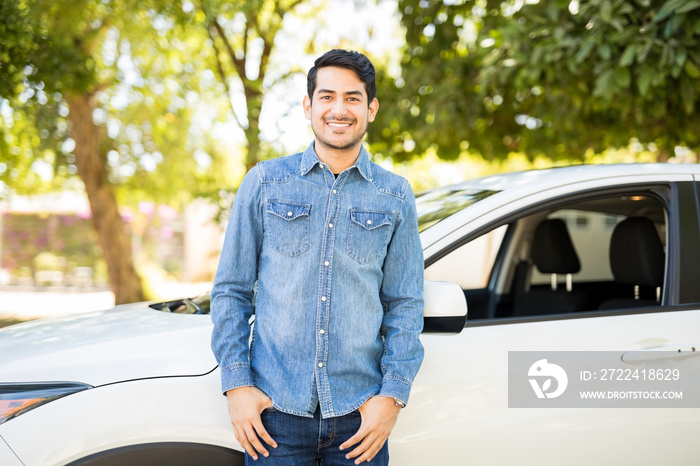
(253, 153)
(254, 100)
(111, 234)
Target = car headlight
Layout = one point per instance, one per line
(18, 398)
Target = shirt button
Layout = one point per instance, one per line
(289, 214)
(369, 222)
(326, 263)
(323, 298)
(322, 331)
(320, 364)
(335, 191)
(330, 225)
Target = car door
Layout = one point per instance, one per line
(459, 409)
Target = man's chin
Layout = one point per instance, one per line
(343, 148)
(340, 145)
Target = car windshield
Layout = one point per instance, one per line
(438, 204)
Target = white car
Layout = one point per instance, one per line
(138, 384)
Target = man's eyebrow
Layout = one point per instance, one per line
(330, 91)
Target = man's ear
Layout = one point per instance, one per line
(307, 107)
(373, 109)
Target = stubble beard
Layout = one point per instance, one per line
(344, 147)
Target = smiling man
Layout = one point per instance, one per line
(331, 240)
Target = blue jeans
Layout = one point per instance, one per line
(303, 441)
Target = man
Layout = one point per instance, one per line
(331, 240)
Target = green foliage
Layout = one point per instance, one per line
(434, 99)
(164, 76)
(48, 42)
(37, 153)
(554, 77)
(16, 45)
(143, 62)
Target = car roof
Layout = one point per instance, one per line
(565, 175)
(508, 188)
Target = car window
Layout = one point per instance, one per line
(469, 265)
(559, 260)
(436, 205)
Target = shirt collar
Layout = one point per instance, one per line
(309, 159)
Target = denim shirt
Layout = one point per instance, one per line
(338, 266)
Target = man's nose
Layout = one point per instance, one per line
(339, 107)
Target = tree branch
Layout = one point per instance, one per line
(222, 74)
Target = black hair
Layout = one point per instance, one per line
(347, 59)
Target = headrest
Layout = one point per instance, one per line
(636, 253)
(552, 249)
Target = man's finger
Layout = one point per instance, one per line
(262, 433)
(255, 441)
(362, 448)
(243, 440)
(370, 453)
(359, 435)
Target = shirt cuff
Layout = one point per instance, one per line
(396, 387)
(235, 376)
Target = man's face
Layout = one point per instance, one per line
(340, 111)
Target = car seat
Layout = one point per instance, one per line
(553, 253)
(637, 258)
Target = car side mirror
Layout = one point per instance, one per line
(445, 308)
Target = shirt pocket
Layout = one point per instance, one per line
(288, 226)
(369, 235)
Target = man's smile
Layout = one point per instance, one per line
(339, 124)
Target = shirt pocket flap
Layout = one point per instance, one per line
(369, 220)
(288, 210)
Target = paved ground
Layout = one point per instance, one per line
(25, 305)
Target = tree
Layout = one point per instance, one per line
(101, 89)
(119, 92)
(243, 38)
(554, 77)
(61, 61)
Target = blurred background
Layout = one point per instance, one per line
(127, 125)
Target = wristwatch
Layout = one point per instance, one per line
(399, 403)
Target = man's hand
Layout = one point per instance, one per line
(379, 415)
(244, 406)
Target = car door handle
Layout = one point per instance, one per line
(678, 351)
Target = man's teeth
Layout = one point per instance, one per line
(339, 125)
